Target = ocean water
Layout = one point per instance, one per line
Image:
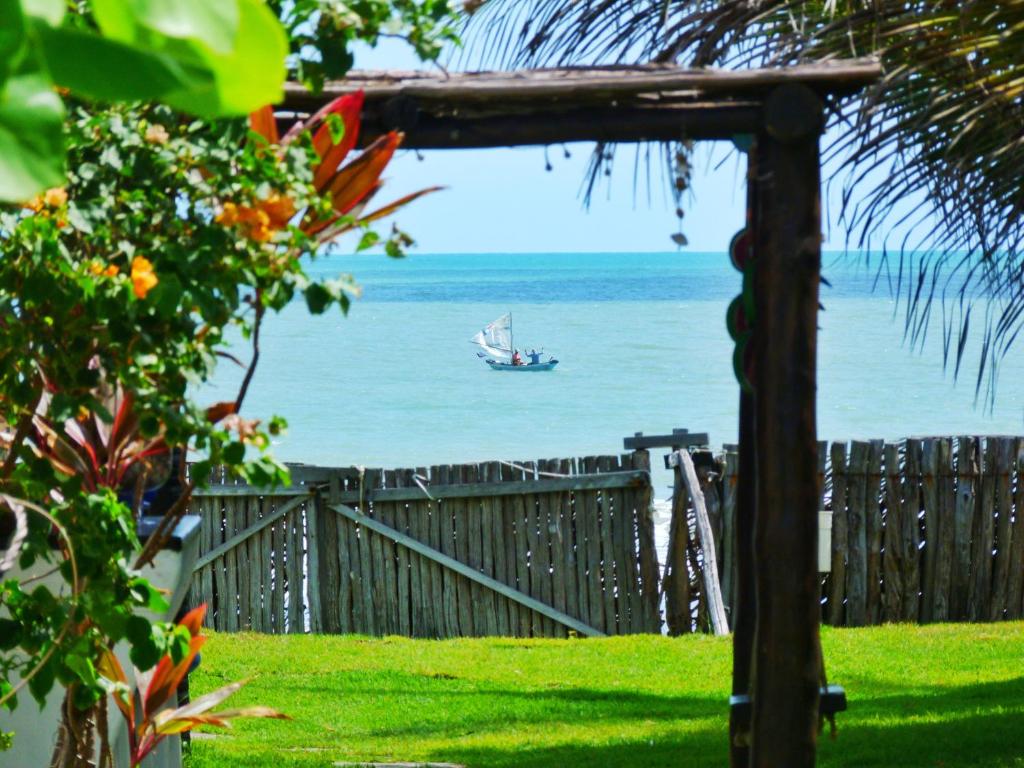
(642, 344)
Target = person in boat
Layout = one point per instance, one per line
(534, 356)
(516, 359)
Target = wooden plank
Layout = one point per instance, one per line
(474, 489)
(507, 565)
(338, 590)
(729, 463)
(526, 546)
(711, 582)
(1015, 591)
(229, 601)
(873, 531)
(267, 568)
(947, 511)
(983, 537)
(538, 561)
(443, 581)
(410, 594)
(255, 568)
(220, 581)
(415, 519)
(836, 607)
(627, 561)
(277, 558)
(353, 541)
(472, 574)
(492, 604)
(932, 525)
(616, 619)
(242, 521)
(551, 506)
(1004, 455)
(296, 568)
(453, 584)
(857, 560)
(507, 623)
(911, 533)
(567, 551)
(892, 596)
(677, 577)
(388, 579)
(649, 572)
(963, 517)
(592, 537)
(373, 618)
(206, 573)
(460, 522)
(433, 614)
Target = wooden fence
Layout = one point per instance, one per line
(923, 530)
(529, 549)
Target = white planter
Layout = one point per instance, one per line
(35, 730)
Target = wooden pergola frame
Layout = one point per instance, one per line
(777, 654)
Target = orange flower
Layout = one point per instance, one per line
(35, 204)
(96, 268)
(279, 209)
(111, 271)
(157, 134)
(143, 277)
(55, 197)
(228, 215)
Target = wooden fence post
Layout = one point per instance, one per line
(787, 655)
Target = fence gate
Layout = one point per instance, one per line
(528, 549)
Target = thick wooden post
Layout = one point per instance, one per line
(787, 652)
(745, 608)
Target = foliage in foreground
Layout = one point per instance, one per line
(940, 695)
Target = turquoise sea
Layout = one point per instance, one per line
(642, 344)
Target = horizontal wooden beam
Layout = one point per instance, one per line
(627, 479)
(589, 83)
(461, 568)
(678, 439)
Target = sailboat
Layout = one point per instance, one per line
(496, 342)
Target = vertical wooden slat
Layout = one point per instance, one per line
(1015, 591)
(616, 620)
(857, 561)
(296, 603)
(650, 581)
(729, 465)
(527, 618)
(491, 530)
(567, 551)
(911, 534)
(460, 520)
(352, 539)
(409, 608)
(932, 524)
(595, 576)
(677, 576)
(219, 572)
(208, 542)
(229, 601)
(626, 556)
(368, 560)
(984, 535)
(873, 531)
(389, 577)
(946, 507)
(266, 570)
(537, 541)
(409, 519)
(277, 564)
(343, 578)
(963, 517)
(1004, 455)
(442, 539)
(453, 584)
(507, 517)
(430, 594)
(892, 599)
(840, 537)
(246, 503)
(255, 567)
(551, 545)
(325, 553)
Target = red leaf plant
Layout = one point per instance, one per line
(101, 453)
(154, 719)
(350, 187)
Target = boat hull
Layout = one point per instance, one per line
(496, 366)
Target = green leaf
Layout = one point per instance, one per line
(12, 36)
(215, 24)
(50, 11)
(41, 684)
(10, 634)
(108, 70)
(31, 138)
(318, 298)
(249, 77)
(82, 667)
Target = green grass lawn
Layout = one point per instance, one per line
(941, 695)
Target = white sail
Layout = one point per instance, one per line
(496, 339)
